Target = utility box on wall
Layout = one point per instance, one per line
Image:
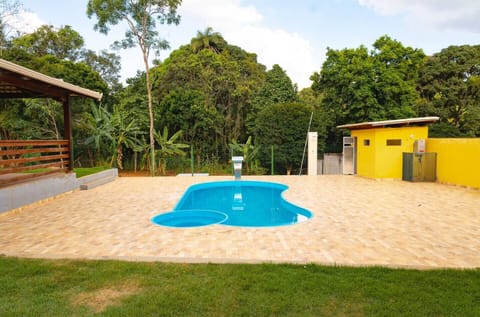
(419, 167)
(419, 146)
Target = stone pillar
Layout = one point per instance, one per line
(312, 153)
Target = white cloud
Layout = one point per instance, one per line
(244, 26)
(289, 50)
(24, 21)
(445, 14)
(222, 14)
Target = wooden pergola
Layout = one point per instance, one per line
(19, 156)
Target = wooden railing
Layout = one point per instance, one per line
(26, 159)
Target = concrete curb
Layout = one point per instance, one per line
(26, 193)
(97, 179)
(46, 187)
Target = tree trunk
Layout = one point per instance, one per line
(150, 113)
(119, 157)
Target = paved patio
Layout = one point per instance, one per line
(356, 221)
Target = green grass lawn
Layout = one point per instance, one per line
(80, 172)
(37, 170)
(113, 288)
(84, 171)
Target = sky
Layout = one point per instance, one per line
(293, 34)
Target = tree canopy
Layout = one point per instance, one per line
(50, 51)
(141, 17)
(212, 97)
(278, 88)
(219, 85)
(360, 85)
(284, 126)
(449, 87)
(64, 43)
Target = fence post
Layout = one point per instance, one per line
(192, 163)
(273, 161)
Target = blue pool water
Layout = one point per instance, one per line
(234, 203)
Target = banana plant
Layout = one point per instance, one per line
(98, 123)
(248, 150)
(167, 148)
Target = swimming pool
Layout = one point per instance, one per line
(234, 203)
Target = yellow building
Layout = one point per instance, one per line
(377, 147)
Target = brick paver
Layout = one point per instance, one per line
(356, 221)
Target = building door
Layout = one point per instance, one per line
(349, 155)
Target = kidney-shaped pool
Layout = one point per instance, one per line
(234, 203)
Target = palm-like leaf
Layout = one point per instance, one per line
(168, 147)
(99, 125)
(125, 133)
(206, 40)
(248, 150)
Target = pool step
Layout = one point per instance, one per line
(97, 179)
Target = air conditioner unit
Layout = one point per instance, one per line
(349, 159)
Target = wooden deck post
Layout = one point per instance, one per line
(67, 122)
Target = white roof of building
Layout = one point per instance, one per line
(390, 123)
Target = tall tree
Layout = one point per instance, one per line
(226, 81)
(284, 126)
(449, 86)
(64, 43)
(396, 75)
(142, 17)
(277, 88)
(185, 109)
(107, 64)
(361, 85)
(207, 40)
(345, 82)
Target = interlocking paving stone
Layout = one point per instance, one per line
(357, 221)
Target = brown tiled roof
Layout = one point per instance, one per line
(19, 82)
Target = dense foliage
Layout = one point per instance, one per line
(58, 53)
(450, 88)
(206, 88)
(142, 18)
(359, 85)
(209, 98)
(284, 126)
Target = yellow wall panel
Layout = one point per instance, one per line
(365, 153)
(458, 160)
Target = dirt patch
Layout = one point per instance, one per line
(130, 173)
(123, 173)
(100, 299)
